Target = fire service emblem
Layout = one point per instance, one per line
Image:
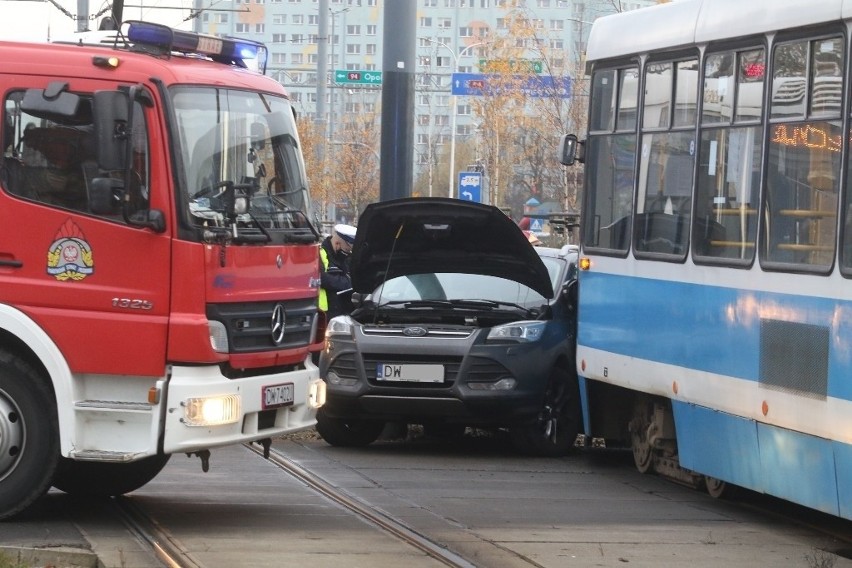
(70, 256)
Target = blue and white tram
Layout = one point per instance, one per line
(715, 303)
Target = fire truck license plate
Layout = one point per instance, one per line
(277, 395)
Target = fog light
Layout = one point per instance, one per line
(316, 394)
(211, 411)
(335, 379)
(502, 385)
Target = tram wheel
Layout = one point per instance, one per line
(717, 488)
(643, 453)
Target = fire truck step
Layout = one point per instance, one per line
(103, 456)
(113, 405)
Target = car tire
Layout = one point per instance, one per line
(348, 433)
(554, 430)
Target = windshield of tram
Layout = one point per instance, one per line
(240, 146)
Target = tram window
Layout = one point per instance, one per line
(665, 184)
(658, 95)
(608, 208)
(663, 207)
(751, 78)
(718, 95)
(685, 101)
(609, 204)
(789, 81)
(628, 91)
(727, 194)
(826, 77)
(603, 107)
(803, 169)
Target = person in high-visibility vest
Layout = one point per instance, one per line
(335, 284)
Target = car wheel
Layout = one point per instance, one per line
(348, 433)
(554, 431)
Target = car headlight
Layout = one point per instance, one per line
(517, 332)
(339, 326)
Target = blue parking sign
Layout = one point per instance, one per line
(470, 186)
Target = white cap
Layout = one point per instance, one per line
(345, 232)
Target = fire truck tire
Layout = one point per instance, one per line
(95, 479)
(29, 435)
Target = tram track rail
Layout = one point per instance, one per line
(377, 518)
(171, 553)
(163, 542)
(164, 546)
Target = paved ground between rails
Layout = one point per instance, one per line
(497, 509)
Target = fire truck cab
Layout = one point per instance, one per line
(158, 264)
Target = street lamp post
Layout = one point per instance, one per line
(456, 58)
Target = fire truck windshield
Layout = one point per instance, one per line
(240, 164)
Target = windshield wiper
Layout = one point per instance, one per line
(456, 304)
(481, 303)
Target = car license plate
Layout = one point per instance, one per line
(410, 373)
(277, 395)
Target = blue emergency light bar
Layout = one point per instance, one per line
(223, 50)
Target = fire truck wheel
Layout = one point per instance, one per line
(94, 479)
(29, 435)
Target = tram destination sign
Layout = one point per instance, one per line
(360, 77)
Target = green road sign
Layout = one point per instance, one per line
(362, 77)
(513, 65)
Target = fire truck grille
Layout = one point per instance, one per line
(257, 326)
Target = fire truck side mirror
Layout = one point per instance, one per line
(111, 122)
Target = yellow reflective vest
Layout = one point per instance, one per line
(323, 295)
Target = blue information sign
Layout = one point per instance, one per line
(470, 186)
(479, 84)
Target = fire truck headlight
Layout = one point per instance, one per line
(240, 205)
(218, 336)
(211, 411)
(316, 394)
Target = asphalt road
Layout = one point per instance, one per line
(489, 505)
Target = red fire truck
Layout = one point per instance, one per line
(158, 264)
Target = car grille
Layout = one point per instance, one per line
(249, 324)
(449, 332)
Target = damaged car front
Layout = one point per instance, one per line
(459, 322)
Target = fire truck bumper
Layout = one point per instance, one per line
(204, 409)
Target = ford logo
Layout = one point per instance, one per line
(414, 331)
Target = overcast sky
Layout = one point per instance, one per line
(35, 20)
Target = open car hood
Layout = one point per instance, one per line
(437, 234)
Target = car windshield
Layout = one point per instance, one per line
(443, 286)
(239, 144)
